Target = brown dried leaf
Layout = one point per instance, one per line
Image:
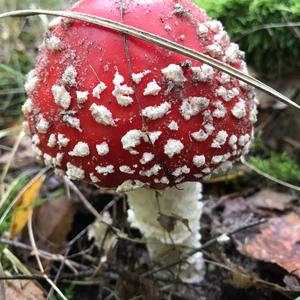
(263, 203)
(279, 243)
(52, 222)
(272, 200)
(23, 290)
(167, 222)
(235, 207)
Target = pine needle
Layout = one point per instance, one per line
(157, 40)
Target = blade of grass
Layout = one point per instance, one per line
(157, 40)
(16, 185)
(39, 262)
(13, 202)
(2, 286)
(13, 153)
(9, 131)
(12, 72)
(16, 262)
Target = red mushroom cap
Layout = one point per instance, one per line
(122, 112)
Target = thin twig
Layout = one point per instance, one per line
(42, 277)
(111, 203)
(83, 199)
(204, 246)
(39, 262)
(57, 276)
(44, 254)
(157, 40)
(22, 277)
(256, 280)
(97, 215)
(78, 236)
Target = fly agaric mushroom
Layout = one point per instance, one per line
(128, 115)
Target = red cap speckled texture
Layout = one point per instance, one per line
(123, 113)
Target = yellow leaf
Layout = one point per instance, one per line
(24, 205)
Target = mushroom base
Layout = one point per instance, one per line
(170, 221)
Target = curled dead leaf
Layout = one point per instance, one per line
(167, 222)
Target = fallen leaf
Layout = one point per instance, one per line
(167, 222)
(264, 203)
(234, 208)
(51, 224)
(23, 290)
(272, 200)
(24, 205)
(279, 243)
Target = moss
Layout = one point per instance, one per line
(270, 51)
(279, 165)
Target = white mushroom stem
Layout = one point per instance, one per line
(155, 212)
